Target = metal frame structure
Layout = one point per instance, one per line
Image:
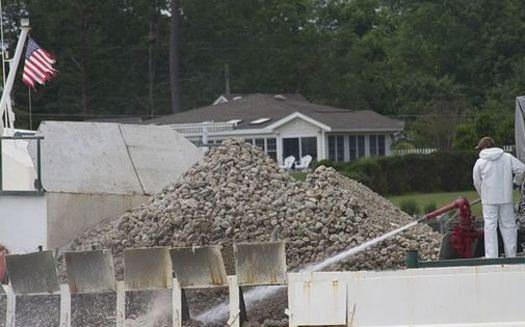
(314, 298)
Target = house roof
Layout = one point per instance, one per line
(250, 108)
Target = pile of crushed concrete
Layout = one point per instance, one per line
(237, 193)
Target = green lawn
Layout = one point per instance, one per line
(442, 199)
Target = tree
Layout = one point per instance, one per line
(465, 137)
(396, 57)
(437, 127)
(174, 57)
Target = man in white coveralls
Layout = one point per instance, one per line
(493, 178)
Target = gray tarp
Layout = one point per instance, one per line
(519, 128)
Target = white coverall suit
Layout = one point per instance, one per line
(493, 176)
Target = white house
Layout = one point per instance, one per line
(284, 125)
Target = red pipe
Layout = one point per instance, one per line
(459, 203)
(464, 234)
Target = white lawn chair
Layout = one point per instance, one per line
(288, 162)
(304, 163)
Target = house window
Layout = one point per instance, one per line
(291, 148)
(267, 145)
(300, 147)
(377, 145)
(336, 148)
(373, 144)
(361, 146)
(215, 142)
(381, 147)
(309, 147)
(259, 143)
(271, 148)
(356, 146)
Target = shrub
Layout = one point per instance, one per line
(439, 171)
(410, 207)
(429, 207)
(403, 145)
(324, 162)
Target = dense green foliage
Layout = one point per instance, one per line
(410, 207)
(438, 172)
(452, 69)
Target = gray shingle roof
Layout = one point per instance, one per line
(256, 106)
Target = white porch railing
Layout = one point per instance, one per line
(203, 128)
(402, 152)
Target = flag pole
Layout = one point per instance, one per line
(30, 108)
(13, 65)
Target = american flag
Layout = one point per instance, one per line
(38, 66)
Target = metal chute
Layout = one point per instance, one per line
(147, 268)
(35, 288)
(32, 273)
(260, 263)
(90, 272)
(199, 267)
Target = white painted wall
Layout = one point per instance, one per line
(454, 296)
(298, 128)
(23, 222)
(54, 219)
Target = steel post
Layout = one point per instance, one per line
(121, 304)
(235, 310)
(176, 303)
(39, 164)
(1, 169)
(14, 65)
(65, 306)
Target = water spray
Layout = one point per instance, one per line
(220, 311)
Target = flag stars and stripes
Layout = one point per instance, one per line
(38, 68)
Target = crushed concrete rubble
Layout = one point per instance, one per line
(3, 310)
(237, 193)
(37, 310)
(93, 310)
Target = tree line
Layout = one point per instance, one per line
(450, 69)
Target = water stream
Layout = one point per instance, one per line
(221, 311)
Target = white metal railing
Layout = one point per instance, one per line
(402, 152)
(203, 128)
